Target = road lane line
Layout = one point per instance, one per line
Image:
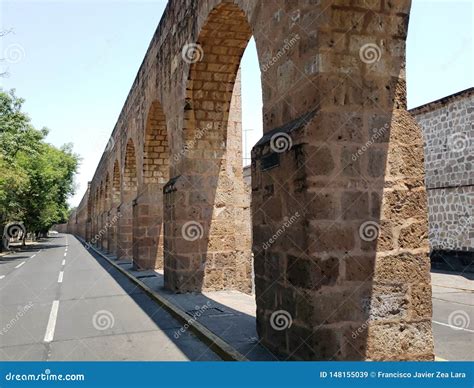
(453, 327)
(53, 317)
(1, 277)
(63, 262)
(33, 256)
(19, 265)
(65, 253)
(60, 277)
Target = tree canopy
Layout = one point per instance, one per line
(36, 178)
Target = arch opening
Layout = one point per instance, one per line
(129, 194)
(114, 213)
(211, 171)
(148, 211)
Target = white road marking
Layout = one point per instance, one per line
(60, 278)
(63, 262)
(33, 256)
(1, 277)
(65, 253)
(19, 265)
(453, 327)
(53, 317)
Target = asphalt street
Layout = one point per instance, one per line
(59, 302)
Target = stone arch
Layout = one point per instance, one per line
(107, 192)
(333, 81)
(148, 211)
(129, 195)
(114, 215)
(88, 216)
(155, 149)
(116, 184)
(328, 84)
(95, 228)
(130, 176)
(101, 216)
(106, 215)
(101, 198)
(211, 164)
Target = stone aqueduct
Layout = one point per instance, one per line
(352, 269)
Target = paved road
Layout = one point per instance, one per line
(453, 315)
(58, 302)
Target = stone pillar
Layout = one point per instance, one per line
(105, 235)
(88, 231)
(125, 230)
(338, 203)
(114, 219)
(98, 229)
(148, 228)
(95, 230)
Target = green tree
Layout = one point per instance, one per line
(36, 178)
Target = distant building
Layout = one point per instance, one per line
(448, 127)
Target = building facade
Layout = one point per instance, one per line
(448, 127)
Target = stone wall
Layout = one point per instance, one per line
(448, 126)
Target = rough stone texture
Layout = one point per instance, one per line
(449, 132)
(338, 206)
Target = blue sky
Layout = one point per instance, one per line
(78, 60)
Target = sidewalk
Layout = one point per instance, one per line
(453, 287)
(18, 247)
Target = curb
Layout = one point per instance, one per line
(217, 344)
